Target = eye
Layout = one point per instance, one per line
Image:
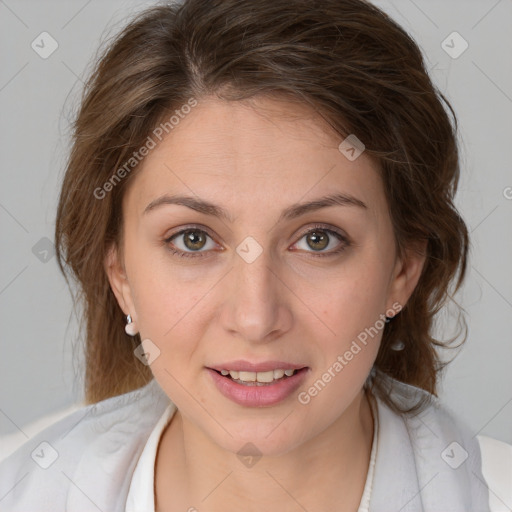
(189, 241)
(319, 238)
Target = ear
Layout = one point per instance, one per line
(119, 281)
(407, 272)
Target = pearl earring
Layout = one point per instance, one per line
(129, 327)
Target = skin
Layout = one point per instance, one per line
(256, 158)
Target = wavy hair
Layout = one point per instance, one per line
(349, 61)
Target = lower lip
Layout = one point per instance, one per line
(258, 396)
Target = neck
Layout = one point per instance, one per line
(193, 471)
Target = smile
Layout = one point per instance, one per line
(258, 389)
(257, 378)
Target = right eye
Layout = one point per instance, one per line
(190, 240)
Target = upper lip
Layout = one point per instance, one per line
(246, 366)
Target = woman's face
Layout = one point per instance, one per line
(271, 283)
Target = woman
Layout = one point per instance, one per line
(258, 211)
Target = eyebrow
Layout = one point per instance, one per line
(292, 212)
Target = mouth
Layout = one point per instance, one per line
(261, 378)
(263, 387)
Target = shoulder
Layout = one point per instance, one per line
(497, 471)
(461, 465)
(101, 439)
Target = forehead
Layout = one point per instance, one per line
(262, 147)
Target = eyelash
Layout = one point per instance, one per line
(316, 227)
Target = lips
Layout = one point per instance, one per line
(257, 394)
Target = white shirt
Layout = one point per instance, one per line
(141, 497)
(88, 460)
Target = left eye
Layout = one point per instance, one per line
(320, 238)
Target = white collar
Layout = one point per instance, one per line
(141, 497)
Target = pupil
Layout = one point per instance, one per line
(194, 238)
(317, 238)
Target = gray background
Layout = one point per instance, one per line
(40, 367)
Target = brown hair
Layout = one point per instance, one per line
(351, 63)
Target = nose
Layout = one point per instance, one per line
(257, 305)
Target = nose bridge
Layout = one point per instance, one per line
(256, 308)
(255, 277)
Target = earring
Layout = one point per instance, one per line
(129, 327)
(369, 379)
(397, 345)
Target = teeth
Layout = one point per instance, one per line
(265, 377)
(278, 374)
(247, 376)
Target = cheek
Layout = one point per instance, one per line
(168, 309)
(353, 306)
(353, 299)
(166, 296)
